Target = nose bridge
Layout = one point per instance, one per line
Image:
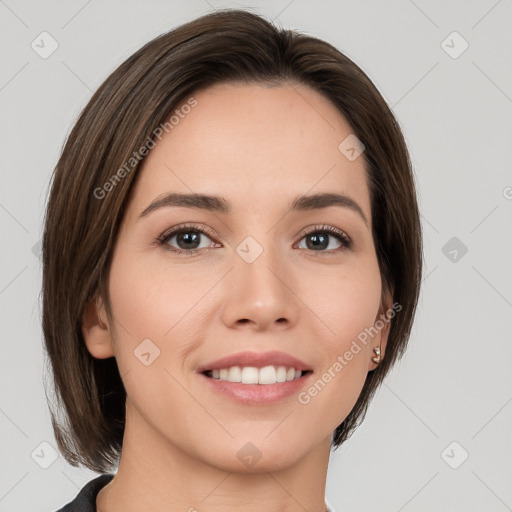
(259, 287)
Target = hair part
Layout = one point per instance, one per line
(140, 95)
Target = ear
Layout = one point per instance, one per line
(383, 324)
(96, 330)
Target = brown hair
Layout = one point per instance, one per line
(120, 118)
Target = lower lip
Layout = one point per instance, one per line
(257, 393)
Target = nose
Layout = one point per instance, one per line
(260, 295)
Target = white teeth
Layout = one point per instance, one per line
(281, 374)
(235, 374)
(253, 375)
(250, 375)
(267, 375)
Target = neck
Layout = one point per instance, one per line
(155, 474)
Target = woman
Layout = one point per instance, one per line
(232, 260)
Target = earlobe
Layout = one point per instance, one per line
(383, 324)
(96, 330)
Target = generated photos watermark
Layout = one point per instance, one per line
(341, 361)
(137, 156)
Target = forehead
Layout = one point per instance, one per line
(254, 143)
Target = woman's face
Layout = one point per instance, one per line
(262, 282)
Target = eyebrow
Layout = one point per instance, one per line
(220, 205)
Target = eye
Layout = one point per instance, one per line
(189, 239)
(326, 239)
(192, 239)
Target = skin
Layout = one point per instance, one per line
(258, 147)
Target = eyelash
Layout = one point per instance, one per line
(163, 239)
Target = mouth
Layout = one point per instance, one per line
(254, 378)
(252, 375)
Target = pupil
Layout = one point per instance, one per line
(317, 241)
(189, 237)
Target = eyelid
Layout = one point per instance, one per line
(326, 228)
(186, 226)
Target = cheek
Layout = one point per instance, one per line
(347, 300)
(152, 306)
(154, 301)
(348, 305)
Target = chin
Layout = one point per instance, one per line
(252, 457)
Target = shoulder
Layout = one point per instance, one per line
(85, 500)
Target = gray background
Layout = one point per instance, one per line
(454, 384)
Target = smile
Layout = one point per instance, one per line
(252, 377)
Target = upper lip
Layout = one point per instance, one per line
(256, 359)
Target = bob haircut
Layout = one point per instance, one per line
(82, 220)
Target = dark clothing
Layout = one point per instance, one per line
(85, 500)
